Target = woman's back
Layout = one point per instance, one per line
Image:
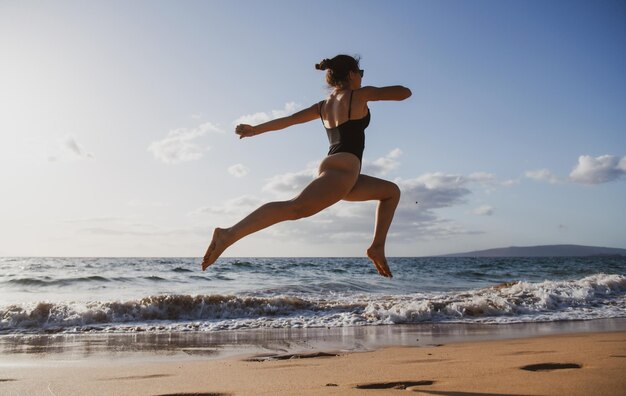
(342, 106)
(348, 134)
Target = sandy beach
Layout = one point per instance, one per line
(561, 364)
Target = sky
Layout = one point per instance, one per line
(117, 124)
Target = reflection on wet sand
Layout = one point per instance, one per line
(203, 345)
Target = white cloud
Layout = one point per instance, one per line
(67, 149)
(236, 206)
(70, 144)
(543, 175)
(395, 153)
(435, 190)
(258, 118)
(510, 182)
(416, 216)
(289, 184)
(139, 230)
(112, 226)
(483, 210)
(383, 165)
(180, 144)
(482, 177)
(486, 180)
(598, 170)
(238, 170)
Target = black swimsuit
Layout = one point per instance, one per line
(349, 137)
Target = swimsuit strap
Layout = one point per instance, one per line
(350, 105)
(320, 104)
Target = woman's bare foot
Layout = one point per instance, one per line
(219, 243)
(377, 255)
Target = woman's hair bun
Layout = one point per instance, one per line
(339, 68)
(323, 65)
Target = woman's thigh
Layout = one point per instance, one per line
(369, 188)
(328, 188)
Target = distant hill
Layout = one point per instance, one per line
(544, 251)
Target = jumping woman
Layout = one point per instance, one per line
(345, 116)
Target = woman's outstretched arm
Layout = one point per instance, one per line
(306, 115)
(395, 92)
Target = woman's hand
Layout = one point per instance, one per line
(245, 130)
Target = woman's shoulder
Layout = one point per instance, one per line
(365, 91)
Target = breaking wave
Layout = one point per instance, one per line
(592, 297)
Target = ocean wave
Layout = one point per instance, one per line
(48, 281)
(154, 278)
(181, 269)
(592, 297)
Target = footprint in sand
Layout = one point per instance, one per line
(550, 366)
(138, 377)
(265, 358)
(394, 385)
(521, 353)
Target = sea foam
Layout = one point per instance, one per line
(592, 297)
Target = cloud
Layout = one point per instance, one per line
(111, 226)
(435, 190)
(416, 216)
(258, 118)
(67, 150)
(482, 178)
(602, 169)
(510, 182)
(70, 144)
(543, 175)
(238, 170)
(290, 184)
(236, 206)
(589, 170)
(383, 165)
(138, 231)
(180, 145)
(483, 210)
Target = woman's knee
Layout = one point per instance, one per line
(394, 191)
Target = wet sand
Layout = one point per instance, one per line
(576, 363)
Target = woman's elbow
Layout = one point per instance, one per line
(401, 92)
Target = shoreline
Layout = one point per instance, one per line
(578, 363)
(220, 345)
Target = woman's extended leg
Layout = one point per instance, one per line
(368, 188)
(328, 188)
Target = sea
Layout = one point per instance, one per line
(164, 295)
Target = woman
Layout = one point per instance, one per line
(345, 116)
